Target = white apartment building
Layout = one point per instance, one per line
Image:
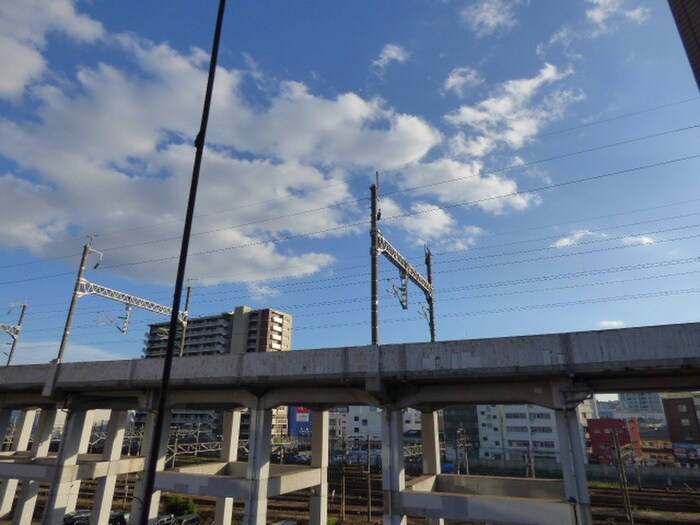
(243, 330)
(517, 432)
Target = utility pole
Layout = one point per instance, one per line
(369, 480)
(87, 250)
(622, 475)
(14, 331)
(342, 480)
(374, 252)
(380, 245)
(84, 287)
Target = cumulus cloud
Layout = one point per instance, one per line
(513, 115)
(638, 239)
(113, 152)
(600, 20)
(603, 11)
(456, 183)
(426, 223)
(611, 324)
(461, 79)
(390, 53)
(23, 29)
(577, 236)
(487, 17)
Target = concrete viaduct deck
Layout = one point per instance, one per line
(556, 371)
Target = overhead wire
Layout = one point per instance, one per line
(357, 200)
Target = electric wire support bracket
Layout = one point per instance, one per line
(14, 331)
(380, 245)
(86, 287)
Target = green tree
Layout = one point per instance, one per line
(179, 506)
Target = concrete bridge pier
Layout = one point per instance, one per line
(258, 470)
(111, 453)
(63, 494)
(430, 433)
(319, 459)
(573, 464)
(23, 431)
(148, 430)
(29, 490)
(229, 454)
(393, 470)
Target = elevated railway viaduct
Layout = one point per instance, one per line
(556, 371)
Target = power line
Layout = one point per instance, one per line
(417, 212)
(354, 201)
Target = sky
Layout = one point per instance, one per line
(546, 152)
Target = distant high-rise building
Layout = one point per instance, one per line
(641, 403)
(514, 432)
(241, 331)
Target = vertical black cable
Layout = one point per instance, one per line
(162, 394)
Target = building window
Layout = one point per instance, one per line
(682, 408)
(685, 422)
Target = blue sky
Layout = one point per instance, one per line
(545, 151)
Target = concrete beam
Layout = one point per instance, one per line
(668, 352)
(491, 509)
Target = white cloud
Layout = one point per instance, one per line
(600, 19)
(486, 17)
(428, 223)
(113, 152)
(564, 37)
(603, 11)
(512, 116)
(577, 236)
(23, 29)
(462, 78)
(611, 324)
(638, 239)
(457, 183)
(390, 53)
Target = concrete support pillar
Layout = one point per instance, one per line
(29, 491)
(393, 471)
(229, 453)
(104, 493)
(258, 472)
(573, 465)
(160, 465)
(63, 493)
(20, 441)
(319, 459)
(430, 436)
